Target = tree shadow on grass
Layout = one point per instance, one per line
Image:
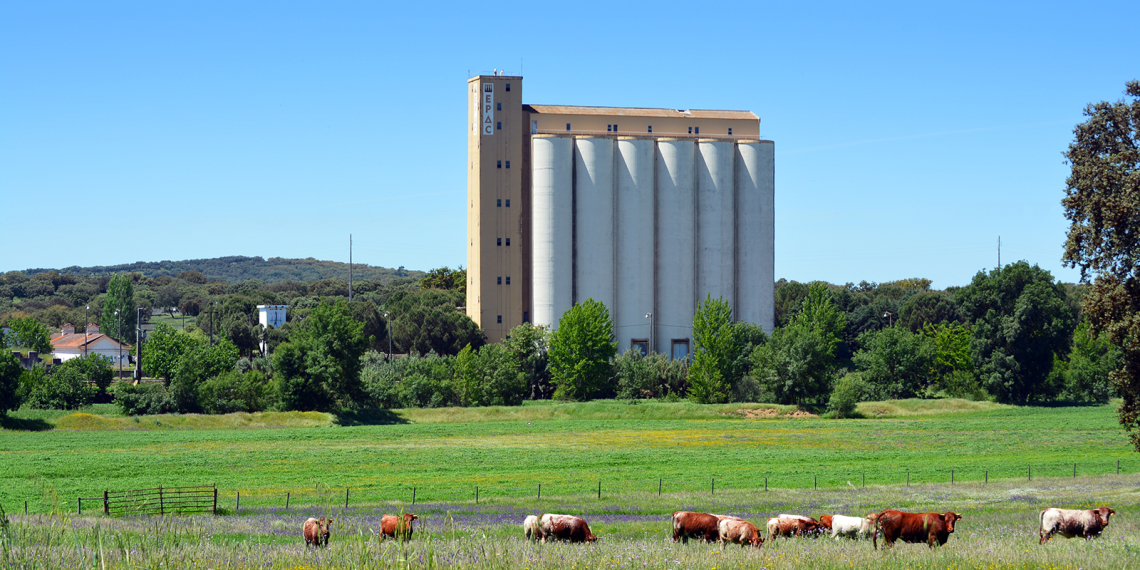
(368, 417)
(18, 424)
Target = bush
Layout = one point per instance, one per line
(65, 389)
(94, 368)
(234, 391)
(963, 384)
(848, 392)
(10, 394)
(409, 382)
(653, 376)
(148, 398)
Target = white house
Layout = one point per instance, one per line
(68, 344)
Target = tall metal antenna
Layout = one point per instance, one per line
(999, 253)
(349, 268)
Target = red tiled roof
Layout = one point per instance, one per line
(642, 112)
(76, 340)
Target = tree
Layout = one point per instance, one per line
(1087, 373)
(490, 377)
(952, 365)
(529, 344)
(715, 348)
(797, 364)
(1020, 321)
(201, 364)
(896, 361)
(121, 297)
(10, 395)
(30, 334)
(66, 388)
(319, 368)
(928, 307)
(429, 320)
(445, 278)
(581, 350)
(165, 348)
(1102, 204)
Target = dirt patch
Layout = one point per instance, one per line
(769, 413)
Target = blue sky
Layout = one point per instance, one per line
(909, 136)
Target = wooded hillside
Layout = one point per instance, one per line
(237, 268)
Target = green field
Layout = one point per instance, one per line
(567, 448)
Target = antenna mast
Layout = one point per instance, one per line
(999, 253)
(349, 268)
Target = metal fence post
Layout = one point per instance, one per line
(79, 505)
(765, 484)
(816, 482)
(237, 506)
(215, 499)
(106, 504)
(599, 489)
(540, 490)
(161, 504)
(908, 478)
(864, 480)
(346, 497)
(658, 486)
(951, 476)
(1030, 472)
(1118, 467)
(413, 495)
(1074, 471)
(714, 485)
(287, 494)
(987, 481)
(476, 494)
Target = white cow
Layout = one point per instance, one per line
(852, 527)
(532, 527)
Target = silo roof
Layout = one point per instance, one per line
(641, 112)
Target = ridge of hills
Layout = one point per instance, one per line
(238, 268)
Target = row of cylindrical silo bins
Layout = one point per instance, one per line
(594, 220)
(634, 246)
(552, 229)
(652, 226)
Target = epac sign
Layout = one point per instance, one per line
(489, 108)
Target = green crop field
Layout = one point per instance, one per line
(567, 448)
(49, 458)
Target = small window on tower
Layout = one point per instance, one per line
(615, 127)
(500, 318)
(499, 203)
(508, 241)
(498, 241)
(651, 128)
(508, 89)
(730, 131)
(498, 164)
(567, 126)
(500, 280)
(508, 202)
(499, 126)
(696, 130)
(690, 130)
(498, 106)
(508, 280)
(609, 128)
(508, 164)
(526, 316)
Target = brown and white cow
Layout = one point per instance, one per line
(565, 527)
(914, 527)
(852, 527)
(316, 531)
(737, 531)
(395, 527)
(798, 526)
(532, 528)
(699, 526)
(1069, 523)
(825, 523)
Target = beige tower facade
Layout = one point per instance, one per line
(498, 178)
(646, 210)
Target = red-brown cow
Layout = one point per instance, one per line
(566, 527)
(791, 527)
(316, 531)
(701, 526)
(1069, 523)
(740, 532)
(395, 527)
(825, 523)
(914, 527)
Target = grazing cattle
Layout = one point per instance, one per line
(791, 527)
(395, 527)
(565, 527)
(914, 527)
(316, 531)
(852, 527)
(701, 526)
(532, 528)
(1069, 523)
(742, 532)
(825, 522)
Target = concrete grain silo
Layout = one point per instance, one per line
(552, 233)
(716, 221)
(594, 220)
(644, 210)
(634, 240)
(676, 241)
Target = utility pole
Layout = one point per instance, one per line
(138, 344)
(650, 317)
(211, 311)
(119, 333)
(85, 325)
(388, 323)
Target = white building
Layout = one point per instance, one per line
(68, 344)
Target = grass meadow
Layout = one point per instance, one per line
(811, 466)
